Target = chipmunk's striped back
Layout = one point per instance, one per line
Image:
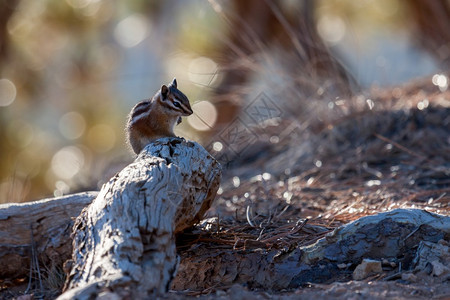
(139, 111)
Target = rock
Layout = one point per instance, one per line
(366, 268)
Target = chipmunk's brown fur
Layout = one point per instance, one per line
(156, 118)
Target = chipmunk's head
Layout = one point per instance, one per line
(175, 102)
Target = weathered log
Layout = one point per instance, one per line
(390, 235)
(124, 241)
(49, 220)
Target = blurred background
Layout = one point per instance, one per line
(70, 71)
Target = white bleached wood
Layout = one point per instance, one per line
(124, 241)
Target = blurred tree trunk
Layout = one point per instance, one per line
(7, 8)
(256, 27)
(432, 24)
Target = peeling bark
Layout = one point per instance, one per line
(124, 242)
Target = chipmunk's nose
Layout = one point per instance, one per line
(188, 111)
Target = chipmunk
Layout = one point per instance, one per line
(155, 118)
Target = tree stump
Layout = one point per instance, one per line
(124, 241)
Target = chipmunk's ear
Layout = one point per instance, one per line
(174, 83)
(164, 92)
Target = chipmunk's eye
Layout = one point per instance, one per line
(177, 104)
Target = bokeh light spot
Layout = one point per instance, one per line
(67, 162)
(204, 117)
(61, 188)
(441, 81)
(132, 30)
(370, 103)
(266, 176)
(8, 92)
(217, 146)
(202, 71)
(274, 139)
(220, 191)
(423, 104)
(72, 125)
(331, 28)
(236, 181)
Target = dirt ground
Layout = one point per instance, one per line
(368, 289)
